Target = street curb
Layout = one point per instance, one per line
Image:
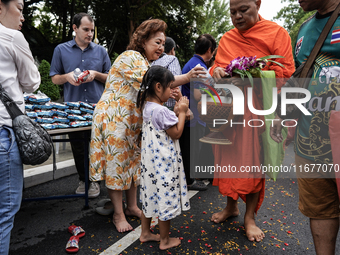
(41, 174)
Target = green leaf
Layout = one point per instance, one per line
(270, 56)
(275, 62)
(250, 78)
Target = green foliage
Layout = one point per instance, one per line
(293, 16)
(216, 18)
(46, 86)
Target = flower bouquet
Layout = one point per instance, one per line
(250, 66)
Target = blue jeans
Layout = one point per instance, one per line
(11, 184)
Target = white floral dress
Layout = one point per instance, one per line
(163, 188)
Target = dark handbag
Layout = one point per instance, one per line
(34, 143)
(301, 77)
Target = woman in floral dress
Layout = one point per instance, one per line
(114, 149)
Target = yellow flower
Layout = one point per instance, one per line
(111, 140)
(119, 182)
(125, 89)
(114, 104)
(121, 157)
(119, 170)
(118, 118)
(104, 127)
(109, 157)
(136, 85)
(112, 126)
(97, 132)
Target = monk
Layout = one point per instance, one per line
(252, 36)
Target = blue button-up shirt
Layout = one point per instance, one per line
(186, 91)
(68, 56)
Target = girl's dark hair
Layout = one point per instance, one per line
(151, 77)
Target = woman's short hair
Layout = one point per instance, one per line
(143, 33)
(204, 43)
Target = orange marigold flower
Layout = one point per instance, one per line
(126, 155)
(131, 153)
(119, 182)
(104, 126)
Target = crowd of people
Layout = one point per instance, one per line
(146, 125)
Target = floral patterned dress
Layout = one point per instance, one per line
(116, 126)
(163, 187)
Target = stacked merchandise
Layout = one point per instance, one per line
(51, 115)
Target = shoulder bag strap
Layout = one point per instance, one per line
(320, 42)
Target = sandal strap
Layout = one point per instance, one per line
(72, 243)
(77, 231)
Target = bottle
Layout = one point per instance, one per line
(76, 73)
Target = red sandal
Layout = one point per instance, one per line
(72, 245)
(76, 231)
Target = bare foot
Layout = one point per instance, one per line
(120, 222)
(253, 232)
(149, 237)
(134, 211)
(225, 214)
(169, 243)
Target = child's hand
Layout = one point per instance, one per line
(183, 104)
(175, 93)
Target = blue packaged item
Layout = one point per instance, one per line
(58, 105)
(79, 123)
(32, 114)
(86, 105)
(39, 98)
(73, 111)
(42, 113)
(48, 126)
(74, 105)
(61, 119)
(42, 106)
(29, 107)
(86, 110)
(59, 113)
(88, 116)
(61, 125)
(75, 117)
(45, 120)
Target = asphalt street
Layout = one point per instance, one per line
(41, 226)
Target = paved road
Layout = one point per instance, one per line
(41, 227)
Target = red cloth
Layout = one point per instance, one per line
(263, 39)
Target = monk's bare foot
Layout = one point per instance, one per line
(169, 243)
(133, 211)
(253, 232)
(225, 214)
(148, 237)
(120, 222)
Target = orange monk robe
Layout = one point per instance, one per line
(263, 39)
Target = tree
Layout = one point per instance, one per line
(293, 17)
(216, 18)
(47, 86)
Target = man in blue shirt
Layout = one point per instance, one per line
(196, 128)
(81, 53)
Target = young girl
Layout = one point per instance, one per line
(163, 189)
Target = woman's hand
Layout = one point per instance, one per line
(196, 72)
